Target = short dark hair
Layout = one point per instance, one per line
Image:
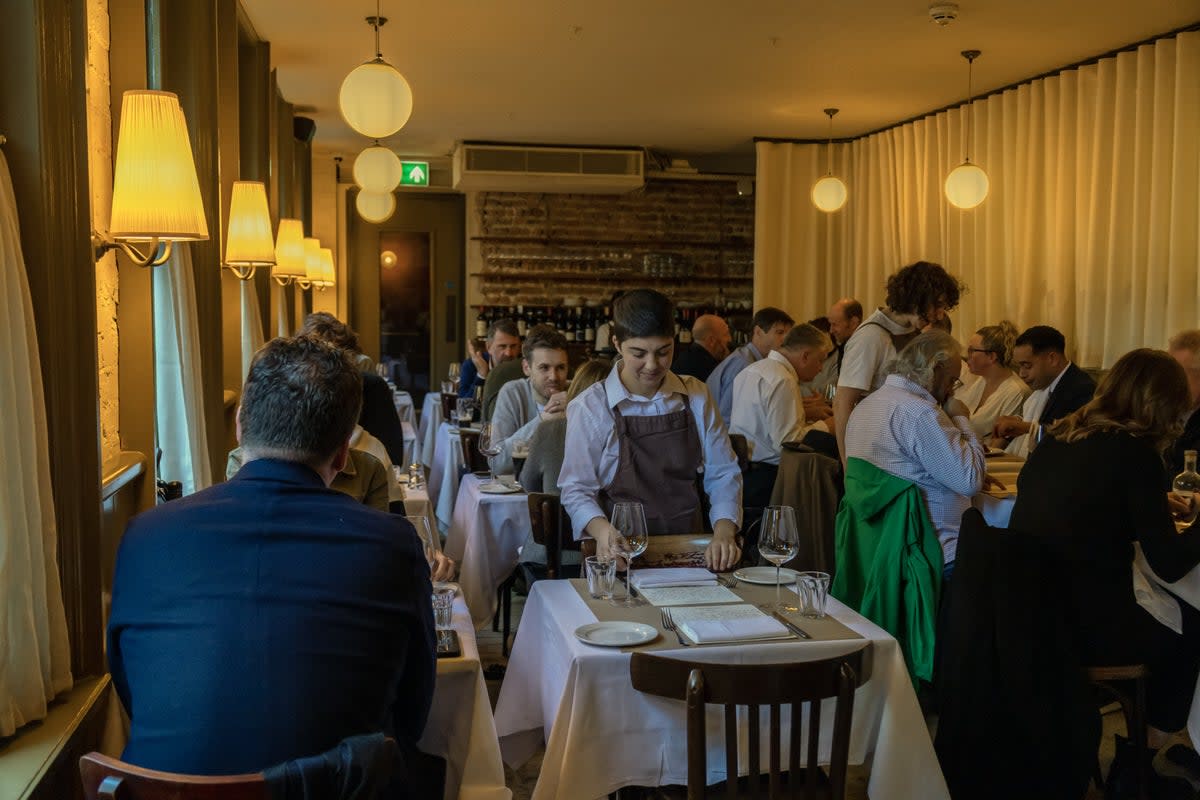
(328, 328)
(921, 286)
(768, 317)
(1041, 338)
(643, 312)
(505, 326)
(853, 309)
(820, 323)
(542, 336)
(300, 401)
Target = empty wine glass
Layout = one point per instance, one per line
(830, 393)
(629, 521)
(778, 542)
(490, 446)
(453, 374)
(421, 523)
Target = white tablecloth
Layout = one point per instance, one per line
(485, 538)
(431, 418)
(410, 443)
(602, 735)
(461, 728)
(416, 504)
(443, 475)
(404, 405)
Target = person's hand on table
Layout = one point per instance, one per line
(1010, 427)
(723, 553)
(556, 407)
(1182, 506)
(816, 409)
(608, 541)
(993, 483)
(442, 567)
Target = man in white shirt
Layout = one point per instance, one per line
(913, 427)
(769, 410)
(767, 330)
(522, 405)
(917, 295)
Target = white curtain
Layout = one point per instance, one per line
(35, 663)
(177, 378)
(252, 328)
(1091, 224)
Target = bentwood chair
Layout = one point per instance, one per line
(801, 685)
(475, 460)
(107, 778)
(1127, 685)
(449, 406)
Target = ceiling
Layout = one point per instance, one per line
(689, 77)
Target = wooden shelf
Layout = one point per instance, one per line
(575, 277)
(725, 244)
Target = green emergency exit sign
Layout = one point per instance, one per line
(414, 173)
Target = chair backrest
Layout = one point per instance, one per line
(475, 460)
(449, 406)
(107, 778)
(551, 529)
(802, 685)
(741, 449)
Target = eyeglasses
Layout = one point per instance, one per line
(973, 350)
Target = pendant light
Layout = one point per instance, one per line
(375, 206)
(377, 169)
(375, 99)
(829, 193)
(967, 184)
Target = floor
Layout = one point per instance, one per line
(522, 780)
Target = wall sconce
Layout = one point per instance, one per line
(248, 240)
(156, 194)
(289, 253)
(312, 262)
(326, 275)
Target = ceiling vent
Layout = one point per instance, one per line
(575, 170)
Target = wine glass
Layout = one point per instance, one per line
(830, 393)
(421, 523)
(491, 446)
(778, 542)
(452, 374)
(629, 521)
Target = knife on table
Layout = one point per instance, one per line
(791, 626)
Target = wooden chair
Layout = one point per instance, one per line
(551, 529)
(800, 685)
(1127, 685)
(107, 778)
(475, 460)
(449, 406)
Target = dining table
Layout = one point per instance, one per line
(427, 428)
(409, 439)
(601, 735)
(485, 537)
(403, 402)
(461, 728)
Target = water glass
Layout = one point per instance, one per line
(416, 476)
(447, 387)
(465, 411)
(601, 575)
(814, 593)
(443, 608)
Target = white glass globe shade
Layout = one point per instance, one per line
(829, 194)
(375, 99)
(377, 169)
(387, 259)
(375, 206)
(966, 186)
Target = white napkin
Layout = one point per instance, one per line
(707, 631)
(672, 576)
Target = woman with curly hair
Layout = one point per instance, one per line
(999, 390)
(1093, 489)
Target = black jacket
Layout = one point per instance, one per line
(379, 417)
(1074, 390)
(694, 360)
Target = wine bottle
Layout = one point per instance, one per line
(685, 329)
(522, 323)
(589, 326)
(481, 322)
(1186, 485)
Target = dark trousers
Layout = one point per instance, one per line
(1174, 662)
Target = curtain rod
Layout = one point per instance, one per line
(1195, 26)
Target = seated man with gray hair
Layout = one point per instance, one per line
(913, 464)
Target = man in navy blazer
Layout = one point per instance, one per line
(270, 617)
(1040, 356)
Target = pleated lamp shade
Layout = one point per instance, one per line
(289, 251)
(248, 240)
(156, 194)
(326, 274)
(375, 99)
(312, 259)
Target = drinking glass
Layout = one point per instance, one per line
(490, 446)
(600, 577)
(416, 476)
(520, 452)
(453, 375)
(443, 610)
(447, 387)
(830, 393)
(421, 523)
(814, 592)
(464, 411)
(778, 541)
(629, 521)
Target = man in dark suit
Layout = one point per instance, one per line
(710, 344)
(269, 617)
(1060, 387)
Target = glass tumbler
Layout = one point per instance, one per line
(814, 593)
(600, 577)
(443, 609)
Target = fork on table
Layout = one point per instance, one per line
(669, 623)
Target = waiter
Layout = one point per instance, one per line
(645, 435)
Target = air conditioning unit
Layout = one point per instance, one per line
(569, 170)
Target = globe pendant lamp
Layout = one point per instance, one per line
(375, 99)
(829, 193)
(967, 184)
(375, 206)
(377, 169)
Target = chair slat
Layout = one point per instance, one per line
(753, 767)
(773, 752)
(731, 752)
(812, 762)
(697, 758)
(794, 749)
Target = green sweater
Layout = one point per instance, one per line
(889, 560)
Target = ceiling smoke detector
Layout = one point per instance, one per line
(943, 13)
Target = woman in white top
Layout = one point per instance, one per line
(645, 434)
(998, 391)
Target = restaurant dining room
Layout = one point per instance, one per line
(583, 401)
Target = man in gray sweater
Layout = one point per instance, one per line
(524, 404)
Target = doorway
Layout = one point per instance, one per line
(404, 296)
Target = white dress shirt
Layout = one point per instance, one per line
(1007, 399)
(517, 415)
(592, 450)
(1031, 412)
(902, 430)
(767, 407)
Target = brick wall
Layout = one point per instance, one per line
(691, 239)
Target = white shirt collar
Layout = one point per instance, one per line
(615, 391)
(779, 357)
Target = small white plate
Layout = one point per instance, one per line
(616, 634)
(498, 488)
(766, 575)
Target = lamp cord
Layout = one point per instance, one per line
(378, 16)
(970, 108)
